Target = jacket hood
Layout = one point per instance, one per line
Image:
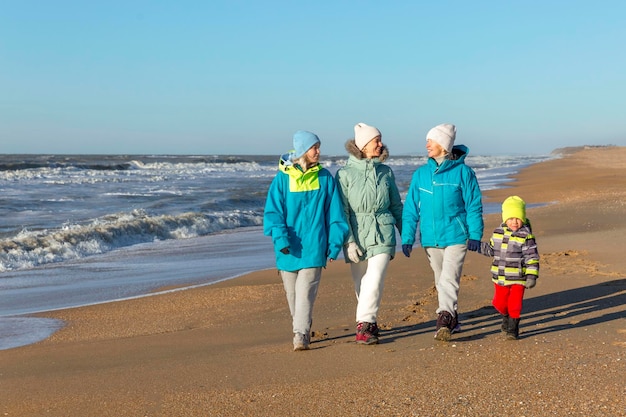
(459, 152)
(286, 160)
(457, 156)
(286, 165)
(354, 151)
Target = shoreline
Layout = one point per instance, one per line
(225, 349)
(65, 289)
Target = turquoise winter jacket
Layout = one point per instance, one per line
(446, 202)
(371, 203)
(303, 212)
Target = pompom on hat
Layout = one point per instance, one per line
(302, 142)
(363, 134)
(444, 135)
(514, 207)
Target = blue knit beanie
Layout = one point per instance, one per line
(302, 142)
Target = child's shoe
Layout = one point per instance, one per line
(505, 323)
(512, 332)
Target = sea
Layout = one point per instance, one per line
(77, 230)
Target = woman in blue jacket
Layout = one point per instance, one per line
(304, 217)
(445, 199)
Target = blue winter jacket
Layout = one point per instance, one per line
(303, 212)
(446, 202)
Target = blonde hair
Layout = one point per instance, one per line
(303, 162)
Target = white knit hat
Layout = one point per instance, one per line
(444, 135)
(363, 134)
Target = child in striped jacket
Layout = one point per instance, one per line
(515, 265)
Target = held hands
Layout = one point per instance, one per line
(530, 281)
(473, 245)
(354, 253)
(406, 249)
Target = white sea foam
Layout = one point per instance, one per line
(29, 249)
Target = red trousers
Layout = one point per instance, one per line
(507, 299)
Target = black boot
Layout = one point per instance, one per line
(512, 332)
(505, 323)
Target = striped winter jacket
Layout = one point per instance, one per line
(515, 255)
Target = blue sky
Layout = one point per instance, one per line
(239, 77)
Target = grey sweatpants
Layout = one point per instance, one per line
(301, 290)
(447, 266)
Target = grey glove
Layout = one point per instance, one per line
(530, 281)
(354, 253)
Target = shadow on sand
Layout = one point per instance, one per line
(579, 307)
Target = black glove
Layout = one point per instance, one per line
(473, 245)
(406, 249)
(285, 250)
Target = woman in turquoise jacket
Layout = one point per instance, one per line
(445, 199)
(373, 207)
(304, 217)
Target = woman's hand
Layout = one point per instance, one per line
(354, 253)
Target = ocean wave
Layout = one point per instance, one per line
(132, 162)
(30, 249)
(26, 165)
(132, 171)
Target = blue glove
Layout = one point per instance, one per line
(285, 250)
(473, 245)
(406, 249)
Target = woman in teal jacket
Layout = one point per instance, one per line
(373, 207)
(445, 199)
(304, 217)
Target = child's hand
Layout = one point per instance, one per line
(530, 281)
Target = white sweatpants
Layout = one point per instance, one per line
(447, 266)
(301, 290)
(369, 280)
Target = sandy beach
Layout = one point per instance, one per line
(225, 349)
